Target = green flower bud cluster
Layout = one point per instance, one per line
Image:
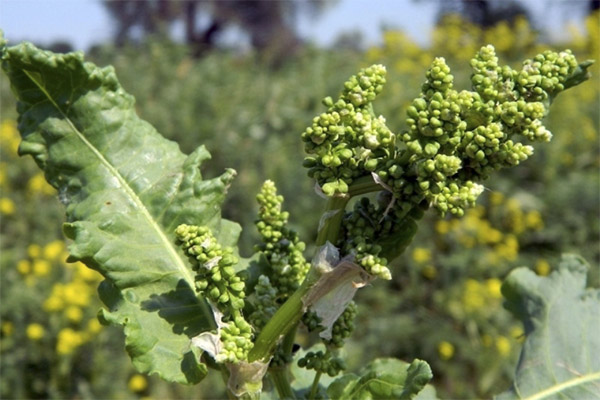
(280, 245)
(217, 279)
(264, 302)
(546, 74)
(280, 358)
(368, 224)
(455, 198)
(236, 336)
(349, 138)
(342, 327)
(454, 139)
(324, 362)
(311, 320)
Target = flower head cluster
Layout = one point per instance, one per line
(264, 302)
(372, 232)
(342, 328)
(287, 266)
(280, 245)
(349, 138)
(216, 276)
(360, 228)
(453, 141)
(454, 138)
(217, 279)
(322, 361)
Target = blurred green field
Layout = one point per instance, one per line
(443, 304)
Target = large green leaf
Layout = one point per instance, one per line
(384, 378)
(125, 188)
(560, 358)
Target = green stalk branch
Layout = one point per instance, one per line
(285, 319)
(334, 213)
(281, 381)
(289, 314)
(315, 385)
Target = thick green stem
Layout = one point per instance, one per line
(331, 220)
(315, 385)
(281, 381)
(363, 185)
(286, 318)
(288, 341)
(289, 314)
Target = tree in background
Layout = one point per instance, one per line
(484, 13)
(268, 24)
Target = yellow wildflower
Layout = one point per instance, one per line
(68, 341)
(24, 267)
(442, 227)
(542, 267)
(473, 298)
(77, 293)
(490, 235)
(517, 333)
(493, 287)
(533, 220)
(34, 250)
(445, 350)
(7, 206)
(9, 135)
(73, 314)
(87, 274)
(41, 267)
(138, 383)
(421, 255)
(429, 271)
(54, 250)
(35, 331)
(53, 303)
(38, 185)
(7, 328)
(503, 345)
(94, 326)
(509, 249)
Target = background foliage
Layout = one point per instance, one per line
(444, 303)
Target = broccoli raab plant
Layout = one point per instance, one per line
(140, 212)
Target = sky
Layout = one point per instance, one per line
(85, 22)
